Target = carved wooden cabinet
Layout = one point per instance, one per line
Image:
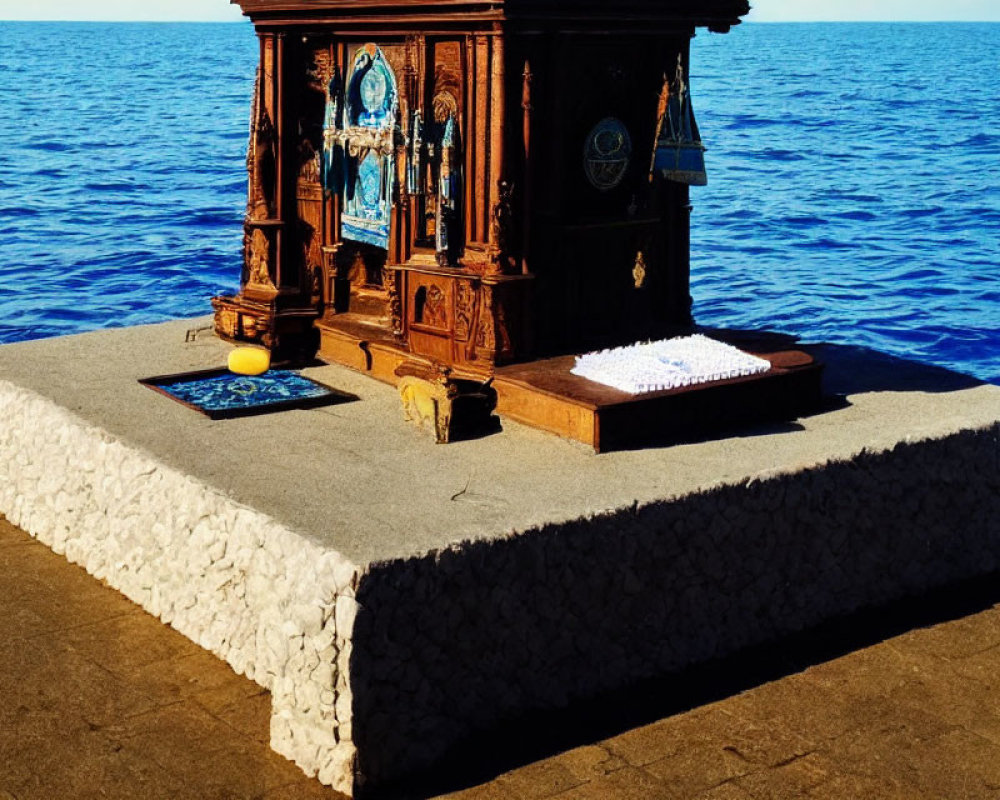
(465, 182)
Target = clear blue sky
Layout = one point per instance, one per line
(764, 10)
(875, 10)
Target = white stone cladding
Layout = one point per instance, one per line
(276, 607)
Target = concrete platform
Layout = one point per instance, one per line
(397, 596)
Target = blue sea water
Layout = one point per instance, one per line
(854, 189)
(854, 171)
(122, 171)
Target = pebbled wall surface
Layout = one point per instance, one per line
(274, 606)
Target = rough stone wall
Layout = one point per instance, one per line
(274, 606)
(478, 634)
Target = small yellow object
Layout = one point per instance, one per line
(249, 361)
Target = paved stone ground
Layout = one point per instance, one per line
(98, 699)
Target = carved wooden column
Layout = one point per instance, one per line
(276, 303)
(527, 188)
(498, 249)
(480, 178)
(263, 214)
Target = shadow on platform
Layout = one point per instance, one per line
(858, 370)
(851, 369)
(536, 737)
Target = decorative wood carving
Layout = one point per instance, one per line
(392, 285)
(465, 310)
(479, 174)
(258, 259)
(321, 70)
(261, 159)
(477, 149)
(428, 402)
(497, 135)
(431, 308)
(527, 79)
(486, 338)
(639, 270)
(502, 229)
(309, 162)
(447, 87)
(505, 346)
(309, 242)
(451, 406)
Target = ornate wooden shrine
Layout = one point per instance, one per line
(467, 183)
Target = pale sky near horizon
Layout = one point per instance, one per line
(764, 10)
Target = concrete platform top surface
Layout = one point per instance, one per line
(358, 479)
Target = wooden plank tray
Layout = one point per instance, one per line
(545, 394)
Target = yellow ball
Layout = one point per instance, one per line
(249, 361)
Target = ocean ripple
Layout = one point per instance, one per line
(885, 233)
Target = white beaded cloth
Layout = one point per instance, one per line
(668, 364)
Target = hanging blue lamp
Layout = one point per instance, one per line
(679, 155)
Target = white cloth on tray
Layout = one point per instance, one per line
(668, 364)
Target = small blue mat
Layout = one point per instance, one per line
(221, 394)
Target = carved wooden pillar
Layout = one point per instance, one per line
(286, 272)
(486, 337)
(469, 135)
(498, 249)
(263, 203)
(410, 102)
(277, 299)
(482, 115)
(526, 182)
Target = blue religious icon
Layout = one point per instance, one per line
(365, 133)
(373, 96)
(370, 183)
